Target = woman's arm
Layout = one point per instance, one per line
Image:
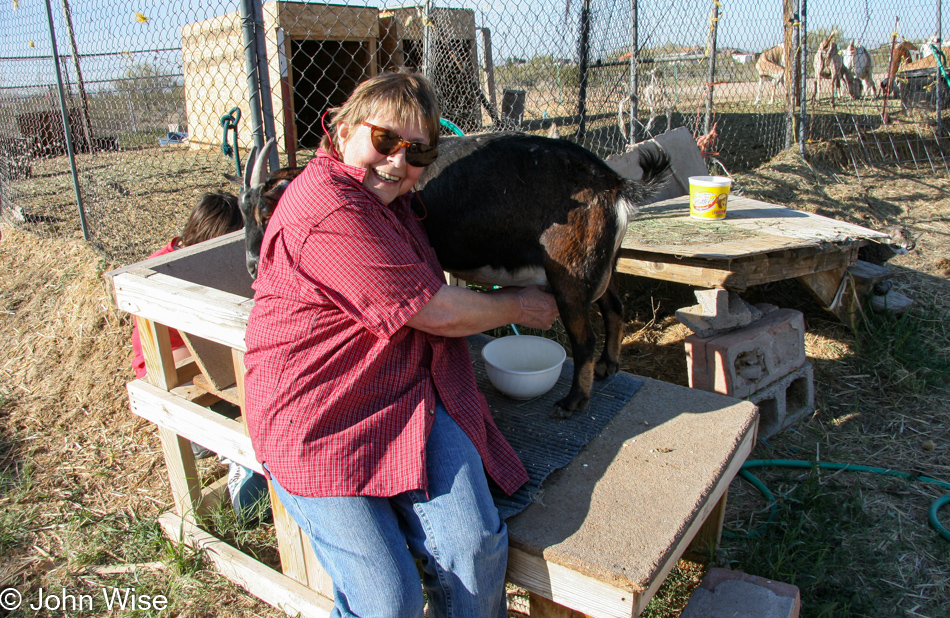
(458, 312)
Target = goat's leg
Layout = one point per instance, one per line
(611, 310)
(576, 321)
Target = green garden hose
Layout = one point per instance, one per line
(451, 126)
(791, 463)
(229, 122)
(941, 63)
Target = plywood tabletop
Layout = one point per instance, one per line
(751, 227)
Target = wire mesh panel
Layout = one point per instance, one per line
(160, 107)
(121, 66)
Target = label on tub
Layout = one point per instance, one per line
(709, 203)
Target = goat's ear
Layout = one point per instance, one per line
(277, 190)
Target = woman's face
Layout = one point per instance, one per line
(387, 176)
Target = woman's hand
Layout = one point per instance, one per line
(458, 312)
(538, 308)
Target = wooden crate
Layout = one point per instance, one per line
(215, 68)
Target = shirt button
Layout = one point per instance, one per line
(431, 411)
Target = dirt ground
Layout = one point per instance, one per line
(81, 478)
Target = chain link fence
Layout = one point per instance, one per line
(159, 105)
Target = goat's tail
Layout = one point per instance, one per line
(655, 165)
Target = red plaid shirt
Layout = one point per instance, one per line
(340, 393)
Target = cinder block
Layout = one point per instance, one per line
(734, 594)
(744, 361)
(696, 366)
(784, 403)
(718, 311)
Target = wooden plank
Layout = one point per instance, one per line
(704, 277)
(566, 587)
(545, 608)
(229, 394)
(707, 539)
(870, 273)
(213, 496)
(317, 578)
(892, 302)
(213, 359)
(265, 583)
(157, 350)
(750, 228)
(195, 394)
(219, 316)
(824, 285)
(289, 540)
(193, 422)
(737, 274)
(182, 473)
(712, 508)
(186, 370)
(326, 22)
(237, 359)
(630, 592)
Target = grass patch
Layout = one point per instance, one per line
(908, 351)
(803, 545)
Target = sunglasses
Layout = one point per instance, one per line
(388, 142)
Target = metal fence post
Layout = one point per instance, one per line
(634, 67)
(940, 85)
(65, 110)
(263, 79)
(803, 71)
(791, 79)
(582, 61)
(248, 29)
(711, 78)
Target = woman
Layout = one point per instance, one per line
(361, 399)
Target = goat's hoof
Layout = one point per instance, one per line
(566, 407)
(605, 368)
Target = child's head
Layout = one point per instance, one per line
(406, 98)
(215, 214)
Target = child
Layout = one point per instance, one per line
(361, 400)
(216, 213)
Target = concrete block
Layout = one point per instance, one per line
(718, 311)
(733, 594)
(697, 368)
(785, 402)
(744, 361)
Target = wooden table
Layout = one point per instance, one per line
(600, 540)
(756, 243)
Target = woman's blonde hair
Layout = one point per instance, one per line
(408, 97)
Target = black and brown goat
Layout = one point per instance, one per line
(259, 196)
(513, 209)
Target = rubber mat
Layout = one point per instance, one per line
(545, 444)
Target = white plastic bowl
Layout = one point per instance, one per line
(523, 366)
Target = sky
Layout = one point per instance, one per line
(112, 35)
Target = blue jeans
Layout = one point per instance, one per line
(368, 545)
